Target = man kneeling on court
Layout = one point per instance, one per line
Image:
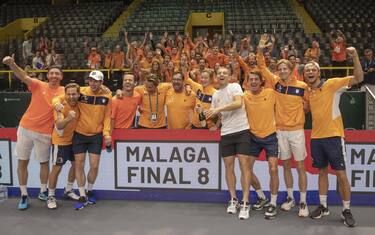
(65, 124)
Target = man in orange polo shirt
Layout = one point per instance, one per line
(260, 107)
(94, 123)
(338, 45)
(35, 127)
(327, 143)
(215, 57)
(153, 102)
(290, 119)
(180, 103)
(65, 124)
(125, 108)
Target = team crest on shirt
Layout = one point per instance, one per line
(59, 160)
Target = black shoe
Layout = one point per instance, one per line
(348, 219)
(271, 212)
(319, 212)
(260, 204)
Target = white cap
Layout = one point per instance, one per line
(97, 75)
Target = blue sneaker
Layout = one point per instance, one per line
(91, 199)
(24, 203)
(82, 202)
(43, 196)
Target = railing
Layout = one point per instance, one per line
(370, 109)
(6, 76)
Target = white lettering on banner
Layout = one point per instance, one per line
(5, 163)
(167, 165)
(361, 167)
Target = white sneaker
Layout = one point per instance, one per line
(71, 195)
(232, 206)
(303, 210)
(51, 203)
(289, 204)
(244, 210)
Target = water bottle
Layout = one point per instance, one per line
(3, 193)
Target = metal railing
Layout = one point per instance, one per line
(6, 76)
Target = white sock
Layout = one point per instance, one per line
(346, 205)
(89, 186)
(273, 199)
(69, 186)
(23, 189)
(260, 194)
(290, 192)
(51, 192)
(323, 200)
(43, 188)
(302, 197)
(82, 191)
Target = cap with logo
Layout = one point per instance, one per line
(97, 75)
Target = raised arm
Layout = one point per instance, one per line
(358, 72)
(19, 72)
(126, 39)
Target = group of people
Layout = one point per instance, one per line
(266, 112)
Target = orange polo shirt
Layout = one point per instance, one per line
(39, 115)
(124, 110)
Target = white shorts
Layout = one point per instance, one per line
(292, 142)
(27, 140)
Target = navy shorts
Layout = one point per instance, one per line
(268, 143)
(92, 144)
(328, 150)
(61, 154)
(236, 143)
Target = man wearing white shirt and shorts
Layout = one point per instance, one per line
(235, 139)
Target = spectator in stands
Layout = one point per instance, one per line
(168, 72)
(313, 53)
(246, 47)
(42, 45)
(57, 59)
(93, 59)
(338, 45)
(146, 63)
(48, 59)
(368, 66)
(107, 59)
(118, 62)
(38, 64)
(272, 66)
(27, 47)
(284, 52)
(124, 107)
(180, 102)
(291, 48)
(215, 57)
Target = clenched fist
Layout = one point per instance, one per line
(8, 60)
(71, 115)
